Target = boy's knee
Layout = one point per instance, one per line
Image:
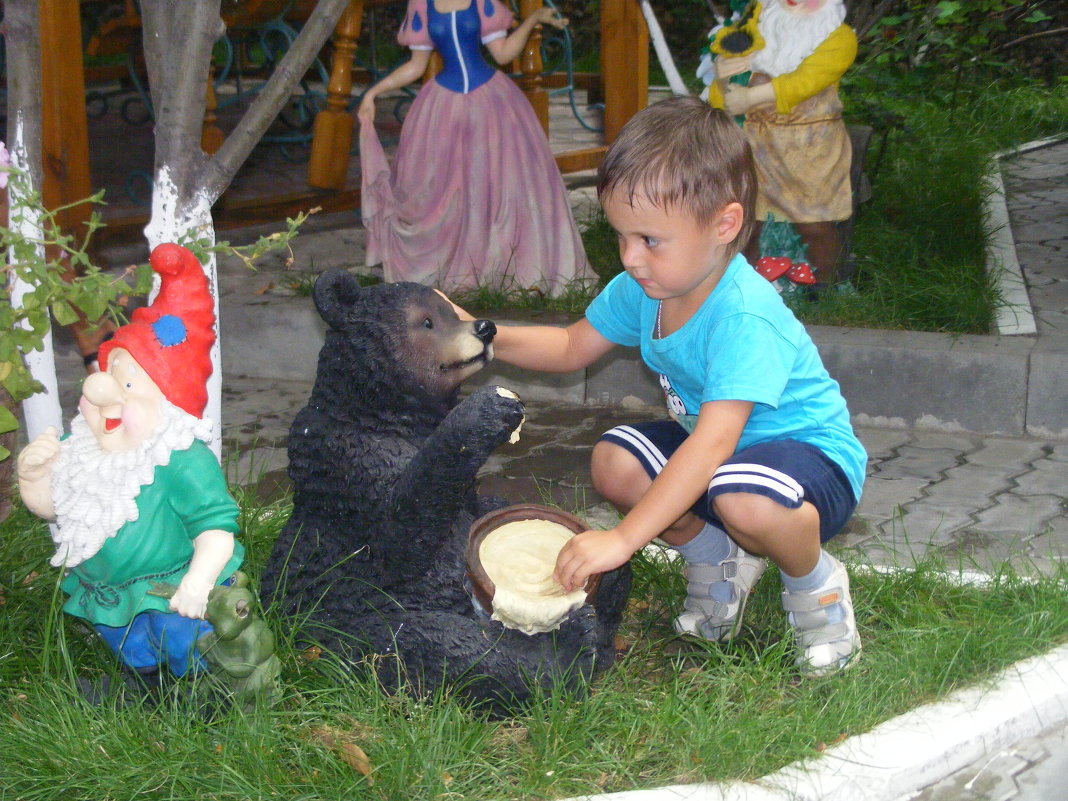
(737, 508)
(746, 511)
(617, 475)
(759, 517)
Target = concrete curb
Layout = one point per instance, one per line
(908, 753)
(1011, 386)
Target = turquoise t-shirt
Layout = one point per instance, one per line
(742, 344)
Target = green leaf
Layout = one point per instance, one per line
(947, 8)
(8, 421)
(64, 312)
(93, 306)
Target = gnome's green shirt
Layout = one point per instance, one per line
(186, 497)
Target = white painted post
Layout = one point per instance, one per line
(42, 409)
(663, 54)
(173, 221)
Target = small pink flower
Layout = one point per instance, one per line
(5, 162)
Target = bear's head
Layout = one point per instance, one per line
(401, 340)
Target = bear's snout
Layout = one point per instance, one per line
(485, 330)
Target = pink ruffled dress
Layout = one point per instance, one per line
(475, 197)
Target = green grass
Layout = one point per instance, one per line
(670, 711)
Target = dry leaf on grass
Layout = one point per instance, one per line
(341, 744)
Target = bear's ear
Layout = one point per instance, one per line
(336, 291)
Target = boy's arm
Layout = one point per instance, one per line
(683, 480)
(545, 347)
(548, 348)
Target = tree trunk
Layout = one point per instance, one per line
(178, 39)
(22, 51)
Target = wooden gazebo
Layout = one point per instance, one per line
(622, 84)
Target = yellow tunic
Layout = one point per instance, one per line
(801, 146)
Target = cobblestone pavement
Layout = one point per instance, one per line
(977, 502)
(1036, 188)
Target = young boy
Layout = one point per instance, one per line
(759, 460)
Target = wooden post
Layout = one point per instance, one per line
(624, 63)
(433, 67)
(65, 141)
(332, 134)
(530, 67)
(211, 135)
(64, 126)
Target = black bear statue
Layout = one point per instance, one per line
(383, 462)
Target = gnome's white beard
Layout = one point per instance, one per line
(94, 492)
(791, 38)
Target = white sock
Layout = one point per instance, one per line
(710, 547)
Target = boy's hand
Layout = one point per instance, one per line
(588, 553)
(463, 315)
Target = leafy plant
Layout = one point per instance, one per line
(66, 285)
(942, 38)
(8, 423)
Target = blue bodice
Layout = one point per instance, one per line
(457, 36)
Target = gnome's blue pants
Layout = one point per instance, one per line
(155, 638)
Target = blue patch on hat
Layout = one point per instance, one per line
(488, 9)
(169, 330)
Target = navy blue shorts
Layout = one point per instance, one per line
(787, 471)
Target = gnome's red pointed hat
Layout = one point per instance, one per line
(171, 339)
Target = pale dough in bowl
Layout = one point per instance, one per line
(519, 558)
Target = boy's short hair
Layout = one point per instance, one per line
(683, 153)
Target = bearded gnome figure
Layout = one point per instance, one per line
(776, 67)
(136, 497)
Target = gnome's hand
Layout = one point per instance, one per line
(35, 473)
(35, 461)
(741, 99)
(211, 552)
(191, 598)
(729, 66)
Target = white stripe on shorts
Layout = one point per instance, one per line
(759, 475)
(653, 456)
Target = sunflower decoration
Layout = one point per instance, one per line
(738, 37)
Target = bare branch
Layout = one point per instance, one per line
(220, 170)
(1050, 32)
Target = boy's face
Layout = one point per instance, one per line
(666, 251)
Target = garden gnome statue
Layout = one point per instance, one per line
(776, 67)
(135, 495)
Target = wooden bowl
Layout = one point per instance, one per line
(481, 584)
